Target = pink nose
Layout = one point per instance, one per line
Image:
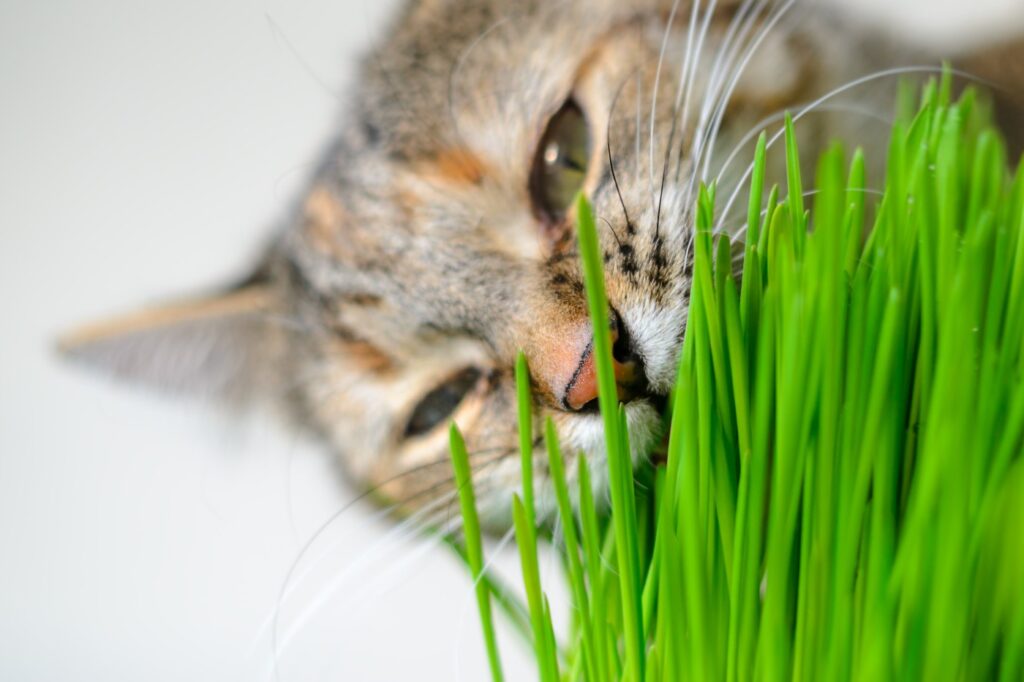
(581, 389)
(562, 367)
(572, 372)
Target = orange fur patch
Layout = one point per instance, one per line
(460, 166)
(364, 356)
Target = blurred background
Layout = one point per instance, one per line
(147, 149)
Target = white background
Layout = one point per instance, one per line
(145, 149)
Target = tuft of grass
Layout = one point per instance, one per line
(474, 548)
(843, 493)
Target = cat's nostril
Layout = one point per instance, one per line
(580, 393)
(622, 344)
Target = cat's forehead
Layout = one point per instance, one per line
(450, 63)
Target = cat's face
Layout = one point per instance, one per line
(437, 238)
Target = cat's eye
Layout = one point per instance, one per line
(560, 163)
(438, 405)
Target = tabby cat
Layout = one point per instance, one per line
(435, 240)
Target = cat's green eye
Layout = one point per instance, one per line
(441, 402)
(560, 163)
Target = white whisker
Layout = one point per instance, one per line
(741, 233)
(639, 121)
(739, 29)
(389, 543)
(467, 603)
(654, 98)
(696, 63)
(727, 50)
(706, 139)
(878, 75)
(756, 129)
(293, 580)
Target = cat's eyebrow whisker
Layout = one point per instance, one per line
(608, 148)
(871, 77)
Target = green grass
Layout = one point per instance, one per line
(843, 496)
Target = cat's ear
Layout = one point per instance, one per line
(223, 346)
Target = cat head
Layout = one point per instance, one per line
(437, 239)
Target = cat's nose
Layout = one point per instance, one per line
(580, 394)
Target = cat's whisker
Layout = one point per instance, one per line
(730, 71)
(433, 518)
(293, 578)
(611, 228)
(471, 593)
(654, 96)
(686, 82)
(675, 114)
(637, 159)
(835, 92)
(706, 138)
(394, 540)
(730, 43)
(292, 582)
(278, 32)
(687, 54)
(608, 149)
(705, 28)
(756, 129)
(740, 28)
(741, 232)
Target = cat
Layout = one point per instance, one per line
(435, 240)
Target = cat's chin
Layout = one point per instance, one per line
(586, 433)
(579, 433)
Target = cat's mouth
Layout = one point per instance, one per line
(646, 417)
